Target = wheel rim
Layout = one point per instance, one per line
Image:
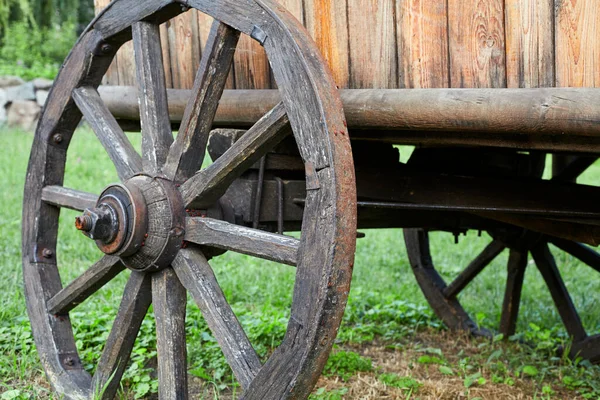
(521, 244)
(323, 255)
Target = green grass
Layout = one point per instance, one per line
(385, 301)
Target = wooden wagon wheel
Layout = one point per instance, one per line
(141, 223)
(520, 243)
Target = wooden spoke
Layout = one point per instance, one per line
(580, 251)
(169, 301)
(198, 278)
(133, 309)
(127, 161)
(474, 268)
(187, 154)
(60, 196)
(85, 285)
(152, 96)
(517, 263)
(205, 188)
(547, 266)
(254, 242)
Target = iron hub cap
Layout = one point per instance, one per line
(142, 221)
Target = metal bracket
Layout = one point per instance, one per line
(259, 35)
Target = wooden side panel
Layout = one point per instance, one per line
(530, 43)
(126, 65)
(184, 49)
(251, 67)
(373, 50)
(577, 43)
(166, 54)
(422, 28)
(204, 24)
(112, 74)
(327, 22)
(477, 50)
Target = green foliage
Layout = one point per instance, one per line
(30, 52)
(402, 382)
(323, 394)
(347, 363)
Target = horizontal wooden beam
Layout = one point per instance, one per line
(555, 119)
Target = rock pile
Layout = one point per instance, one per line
(21, 102)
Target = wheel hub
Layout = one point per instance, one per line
(142, 221)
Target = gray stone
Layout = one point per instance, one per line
(20, 93)
(8, 81)
(42, 84)
(23, 114)
(41, 97)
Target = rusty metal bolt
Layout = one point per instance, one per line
(84, 223)
(47, 253)
(106, 48)
(58, 138)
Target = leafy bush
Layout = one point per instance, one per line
(30, 52)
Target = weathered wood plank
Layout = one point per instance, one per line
(186, 155)
(251, 66)
(126, 160)
(422, 29)
(197, 276)
(183, 58)
(566, 309)
(166, 54)
(327, 22)
(208, 185)
(117, 350)
(577, 38)
(205, 23)
(253, 242)
(169, 301)
(126, 65)
(477, 49)
(372, 48)
(529, 43)
(60, 196)
(112, 74)
(517, 263)
(85, 285)
(152, 96)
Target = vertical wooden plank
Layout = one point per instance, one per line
(529, 43)
(204, 25)
(422, 28)
(112, 74)
(327, 22)
(373, 49)
(250, 64)
(476, 43)
(296, 8)
(181, 44)
(126, 65)
(577, 41)
(166, 54)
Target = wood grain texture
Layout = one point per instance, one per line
(169, 303)
(152, 96)
(124, 157)
(166, 54)
(577, 38)
(126, 65)
(517, 263)
(184, 57)
(68, 198)
(204, 27)
(529, 43)
(327, 23)
(477, 49)
(209, 184)
(117, 350)
(197, 276)
(253, 242)
(187, 153)
(112, 74)
(372, 49)
(422, 29)
(251, 66)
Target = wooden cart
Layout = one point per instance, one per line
(302, 164)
